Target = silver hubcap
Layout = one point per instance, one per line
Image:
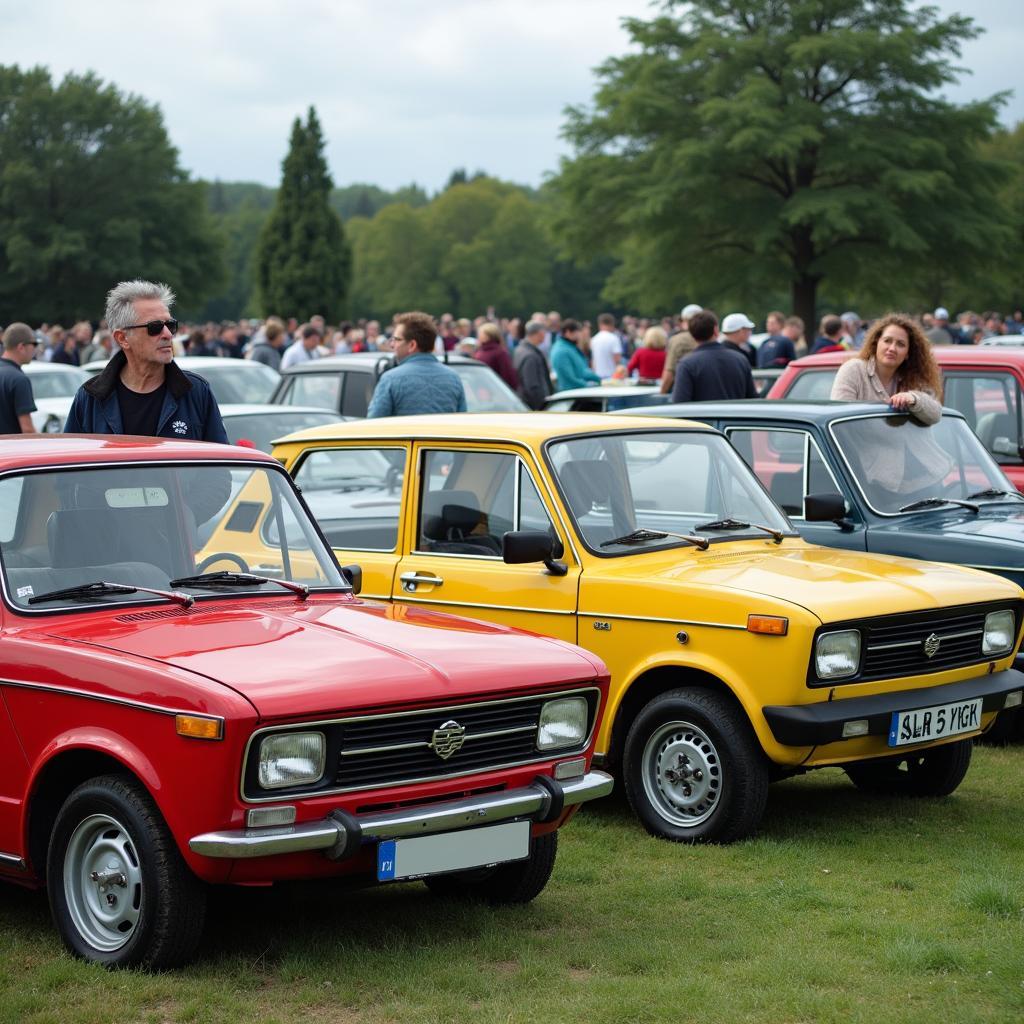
(682, 774)
(103, 882)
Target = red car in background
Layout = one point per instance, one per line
(985, 384)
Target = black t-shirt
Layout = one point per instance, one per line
(15, 396)
(140, 414)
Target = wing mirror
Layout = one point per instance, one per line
(521, 546)
(354, 575)
(827, 508)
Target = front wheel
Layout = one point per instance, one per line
(935, 772)
(518, 882)
(693, 770)
(120, 892)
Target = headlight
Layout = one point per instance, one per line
(291, 759)
(563, 723)
(1000, 632)
(837, 655)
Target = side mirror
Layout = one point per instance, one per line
(354, 575)
(826, 508)
(521, 546)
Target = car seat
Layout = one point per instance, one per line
(449, 519)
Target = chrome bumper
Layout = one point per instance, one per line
(340, 834)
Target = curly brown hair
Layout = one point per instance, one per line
(920, 372)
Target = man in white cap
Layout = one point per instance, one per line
(941, 333)
(679, 345)
(736, 329)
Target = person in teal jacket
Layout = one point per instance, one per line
(568, 362)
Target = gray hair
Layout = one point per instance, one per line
(122, 297)
(534, 327)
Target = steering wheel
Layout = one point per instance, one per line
(218, 556)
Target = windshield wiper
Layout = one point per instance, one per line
(736, 524)
(642, 535)
(237, 579)
(101, 588)
(935, 502)
(992, 492)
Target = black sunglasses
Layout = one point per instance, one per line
(154, 327)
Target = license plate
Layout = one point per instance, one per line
(934, 723)
(452, 851)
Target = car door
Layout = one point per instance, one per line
(466, 498)
(990, 401)
(788, 460)
(319, 390)
(355, 492)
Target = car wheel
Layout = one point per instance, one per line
(518, 882)
(119, 890)
(693, 770)
(935, 772)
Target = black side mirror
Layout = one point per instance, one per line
(826, 508)
(521, 546)
(354, 575)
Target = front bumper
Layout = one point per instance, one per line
(813, 725)
(341, 834)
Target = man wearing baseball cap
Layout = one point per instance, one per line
(736, 328)
(711, 372)
(679, 345)
(942, 333)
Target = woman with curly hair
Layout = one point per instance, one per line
(896, 366)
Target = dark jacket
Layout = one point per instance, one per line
(496, 356)
(189, 411)
(534, 374)
(710, 372)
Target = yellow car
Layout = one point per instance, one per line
(739, 653)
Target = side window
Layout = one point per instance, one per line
(322, 390)
(467, 502)
(812, 384)
(356, 495)
(356, 398)
(10, 503)
(989, 404)
(777, 459)
(533, 513)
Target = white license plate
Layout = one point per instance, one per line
(452, 851)
(933, 723)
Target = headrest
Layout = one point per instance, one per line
(444, 511)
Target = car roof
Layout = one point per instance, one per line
(40, 366)
(196, 363)
(257, 409)
(20, 451)
(945, 355)
(824, 411)
(532, 427)
(364, 361)
(606, 391)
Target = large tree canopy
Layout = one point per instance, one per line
(751, 144)
(91, 193)
(303, 260)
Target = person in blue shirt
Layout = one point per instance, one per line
(419, 383)
(568, 362)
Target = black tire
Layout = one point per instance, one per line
(151, 913)
(693, 769)
(934, 772)
(518, 882)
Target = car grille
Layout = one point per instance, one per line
(894, 645)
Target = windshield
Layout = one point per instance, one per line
(261, 430)
(145, 526)
(246, 383)
(678, 481)
(896, 461)
(57, 385)
(485, 390)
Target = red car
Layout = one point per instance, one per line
(985, 384)
(173, 715)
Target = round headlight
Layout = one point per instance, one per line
(1000, 632)
(563, 723)
(837, 655)
(291, 759)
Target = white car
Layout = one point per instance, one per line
(53, 388)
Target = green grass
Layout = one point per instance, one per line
(845, 908)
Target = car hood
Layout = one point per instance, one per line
(830, 583)
(294, 659)
(993, 528)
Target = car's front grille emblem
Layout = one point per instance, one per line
(447, 739)
(931, 646)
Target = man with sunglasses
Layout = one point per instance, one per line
(141, 390)
(16, 401)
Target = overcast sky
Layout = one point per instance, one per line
(406, 90)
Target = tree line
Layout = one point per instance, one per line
(743, 153)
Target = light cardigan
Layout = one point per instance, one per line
(857, 381)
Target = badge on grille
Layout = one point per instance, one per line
(447, 739)
(931, 646)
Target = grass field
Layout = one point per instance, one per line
(845, 908)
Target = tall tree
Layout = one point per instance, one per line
(303, 260)
(751, 143)
(91, 193)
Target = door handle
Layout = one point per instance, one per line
(411, 580)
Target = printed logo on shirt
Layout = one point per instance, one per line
(179, 427)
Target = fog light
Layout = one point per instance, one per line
(571, 769)
(261, 817)
(858, 727)
(1013, 700)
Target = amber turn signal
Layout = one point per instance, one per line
(197, 727)
(772, 625)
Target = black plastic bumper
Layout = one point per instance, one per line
(812, 725)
